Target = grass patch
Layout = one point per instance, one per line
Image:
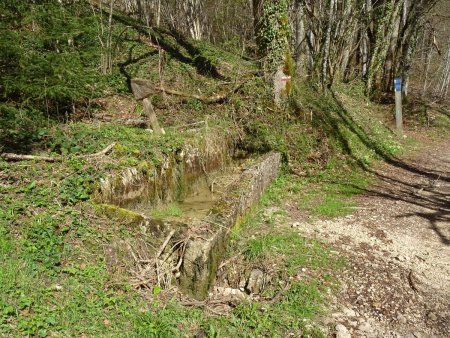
(305, 266)
(332, 206)
(330, 192)
(292, 315)
(170, 210)
(291, 250)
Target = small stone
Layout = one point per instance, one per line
(432, 316)
(255, 281)
(365, 327)
(342, 332)
(401, 319)
(349, 312)
(238, 294)
(295, 224)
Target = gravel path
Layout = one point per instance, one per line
(397, 281)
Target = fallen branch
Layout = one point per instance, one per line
(19, 157)
(103, 152)
(143, 88)
(163, 246)
(132, 122)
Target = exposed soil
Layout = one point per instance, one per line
(397, 244)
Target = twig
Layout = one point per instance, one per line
(229, 260)
(131, 251)
(103, 152)
(189, 124)
(163, 246)
(411, 282)
(358, 208)
(279, 295)
(215, 223)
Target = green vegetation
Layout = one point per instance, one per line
(55, 101)
(330, 194)
(301, 267)
(42, 74)
(170, 210)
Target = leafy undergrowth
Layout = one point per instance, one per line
(52, 275)
(54, 280)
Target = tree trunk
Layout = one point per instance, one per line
(326, 81)
(441, 90)
(192, 11)
(257, 13)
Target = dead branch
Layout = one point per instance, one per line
(412, 281)
(133, 122)
(103, 152)
(163, 246)
(19, 157)
(279, 295)
(152, 119)
(142, 88)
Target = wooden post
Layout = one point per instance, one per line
(398, 105)
(153, 121)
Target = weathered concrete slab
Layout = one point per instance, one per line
(172, 178)
(206, 249)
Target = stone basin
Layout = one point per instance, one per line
(206, 220)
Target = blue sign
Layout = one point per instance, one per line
(398, 84)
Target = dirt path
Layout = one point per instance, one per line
(397, 282)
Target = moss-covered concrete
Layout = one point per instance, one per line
(205, 251)
(172, 177)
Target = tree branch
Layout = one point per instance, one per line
(20, 157)
(143, 88)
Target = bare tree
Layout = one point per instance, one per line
(192, 11)
(442, 86)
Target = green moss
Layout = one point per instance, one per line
(120, 214)
(289, 63)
